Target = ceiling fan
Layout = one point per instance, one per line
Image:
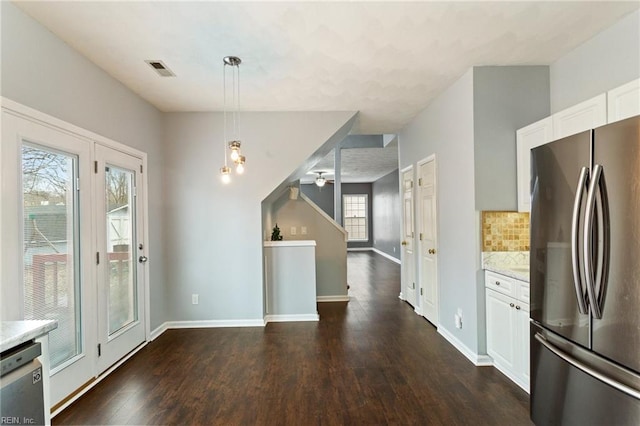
(321, 180)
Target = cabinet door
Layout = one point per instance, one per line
(522, 345)
(527, 138)
(501, 329)
(624, 101)
(584, 116)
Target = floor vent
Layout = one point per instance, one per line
(160, 68)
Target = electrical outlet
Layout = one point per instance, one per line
(303, 230)
(294, 231)
(194, 299)
(458, 318)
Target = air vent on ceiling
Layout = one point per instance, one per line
(160, 68)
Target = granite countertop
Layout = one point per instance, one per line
(14, 333)
(512, 264)
(508, 270)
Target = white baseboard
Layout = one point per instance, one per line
(391, 258)
(478, 360)
(216, 323)
(291, 318)
(158, 331)
(512, 377)
(338, 298)
(375, 250)
(401, 296)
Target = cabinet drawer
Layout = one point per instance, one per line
(500, 283)
(523, 293)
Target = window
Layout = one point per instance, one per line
(51, 246)
(355, 209)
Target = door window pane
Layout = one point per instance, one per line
(120, 227)
(355, 217)
(51, 247)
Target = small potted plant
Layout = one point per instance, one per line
(275, 234)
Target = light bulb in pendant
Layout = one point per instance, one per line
(225, 174)
(240, 164)
(235, 150)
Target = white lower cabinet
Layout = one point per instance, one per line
(508, 326)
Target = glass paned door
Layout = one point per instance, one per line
(121, 267)
(51, 257)
(120, 238)
(46, 268)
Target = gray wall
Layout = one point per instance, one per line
(215, 231)
(361, 188)
(386, 214)
(331, 247)
(445, 128)
(504, 100)
(322, 197)
(41, 71)
(608, 60)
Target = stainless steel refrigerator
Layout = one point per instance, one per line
(585, 278)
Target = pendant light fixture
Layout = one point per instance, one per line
(234, 145)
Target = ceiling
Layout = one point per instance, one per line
(357, 164)
(387, 60)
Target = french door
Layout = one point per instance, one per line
(71, 222)
(120, 254)
(46, 244)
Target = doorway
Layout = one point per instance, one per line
(408, 259)
(428, 239)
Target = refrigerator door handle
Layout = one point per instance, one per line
(635, 393)
(598, 277)
(575, 240)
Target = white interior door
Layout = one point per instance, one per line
(427, 226)
(46, 273)
(408, 255)
(120, 255)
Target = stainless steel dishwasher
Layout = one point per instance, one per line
(21, 395)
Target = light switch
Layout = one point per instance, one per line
(303, 230)
(293, 230)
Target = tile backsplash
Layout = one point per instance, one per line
(505, 231)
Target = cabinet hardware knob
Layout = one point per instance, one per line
(497, 282)
(511, 304)
(404, 243)
(518, 307)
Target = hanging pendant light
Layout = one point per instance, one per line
(320, 180)
(234, 145)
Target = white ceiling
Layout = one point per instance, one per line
(357, 164)
(387, 60)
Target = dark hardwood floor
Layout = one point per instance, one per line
(372, 361)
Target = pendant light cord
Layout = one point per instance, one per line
(224, 107)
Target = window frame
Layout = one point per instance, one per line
(365, 217)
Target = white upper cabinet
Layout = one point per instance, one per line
(624, 101)
(583, 116)
(527, 138)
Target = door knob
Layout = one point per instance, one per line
(143, 259)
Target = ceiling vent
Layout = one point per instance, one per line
(160, 68)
